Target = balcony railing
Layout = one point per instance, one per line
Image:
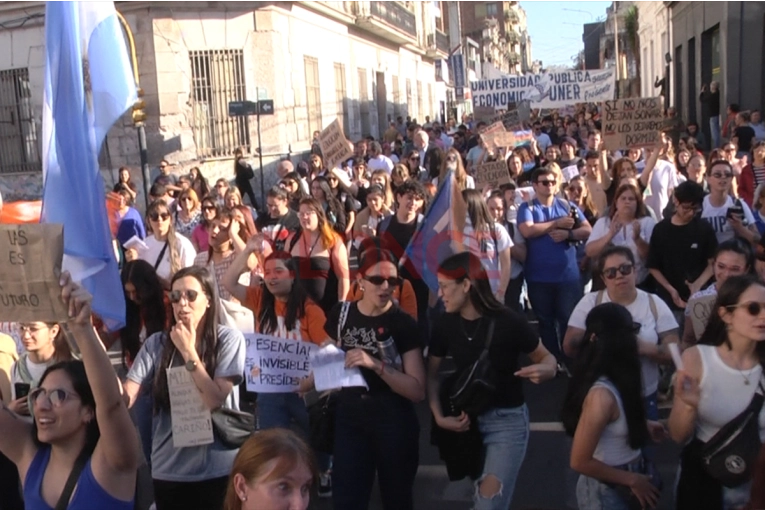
(396, 15)
(442, 42)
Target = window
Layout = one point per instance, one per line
(420, 102)
(217, 78)
(715, 40)
(480, 10)
(409, 98)
(396, 97)
(312, 94)
(430, 96)
(491, 10)
(18, 132)
(366, 127)
(340, 95)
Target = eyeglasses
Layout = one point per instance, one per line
(393, 281)
(722, 175)
(155, 216)
(21, 329)
(624, 269)
(451, 158)
(547, 183)
(55, 397)
(414, 158)
(209, 207)
(575, 189)
(190, 295)
(753, 308)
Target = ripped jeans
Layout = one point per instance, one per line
(505, 434)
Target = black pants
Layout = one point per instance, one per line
(513, 294)
(207, 494)
(374, 433)
(245, 189)
(10, 487)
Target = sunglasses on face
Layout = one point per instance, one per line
(209, 207)
(624, 269)
(547, 183)
(155, 216)
(414, 158)
(729, 149)
(753, 308)
(722, 175)
(451, 158)
(190, 295)
(56, 397)
(393, 281)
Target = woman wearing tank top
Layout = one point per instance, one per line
(717, 383)
(604, 413)
(78, 419)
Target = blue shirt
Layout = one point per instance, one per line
(130, 225)
(548, 261)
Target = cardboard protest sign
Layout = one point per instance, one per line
(334, 146)
(488, 134)
(30, 267)
(276, 365)
(570, 172)
(483, 113)
(522, 137)
(632, 123)
(511, 120)
(492, 174)
(190, 417)
(701, 310)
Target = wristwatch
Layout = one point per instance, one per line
(191, 365)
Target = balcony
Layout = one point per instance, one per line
(344, 12)
(438, 45)
(511, 16)
(514, 57)
(389, 20)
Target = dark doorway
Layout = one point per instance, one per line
(382, 105)
(692, 87)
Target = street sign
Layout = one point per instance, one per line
(266, 106)
(242, 108)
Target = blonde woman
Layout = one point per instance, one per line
(165, 250)
(189, 213)
(382, 179)
(453, 162)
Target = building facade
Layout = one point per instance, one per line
(363, 62)
(500, 29)
(654, 33)
(717, 41)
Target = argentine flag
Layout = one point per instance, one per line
(88, 86)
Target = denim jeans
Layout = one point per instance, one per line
(376, 432)
(505, 434)
(593, 494)
(714, 127)
(278, 410)
(553, 304)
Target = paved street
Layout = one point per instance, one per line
(545, 481)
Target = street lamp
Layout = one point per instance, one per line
(139, 115)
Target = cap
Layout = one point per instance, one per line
(569, 141)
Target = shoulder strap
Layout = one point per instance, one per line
(295, 238)
(161, 255)
(599, 297)
(654, 310)
(343, 317)
(74, 476)
(490, 334)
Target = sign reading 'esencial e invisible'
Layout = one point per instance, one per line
(548, 90)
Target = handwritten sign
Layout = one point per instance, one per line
(189, 416)
(329, 370)
(334, 146)
(701, 310)
(276, 365)
(511, 120)
(492, 174)
(484, 114)
(632, 123)
(30, 267)
(570, 172)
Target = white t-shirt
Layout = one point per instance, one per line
(489, 255)
(663, 180)
(625, 238)
(186, 253)
(516, 267)
(36, 370)
(717, 217)
(649, 331)
(381, 162)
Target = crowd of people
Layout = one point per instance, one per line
(605, 249)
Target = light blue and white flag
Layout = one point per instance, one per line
(88, 86)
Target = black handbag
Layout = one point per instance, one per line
(730, 455)
(473, 389)
(321, 423)
(232, 427)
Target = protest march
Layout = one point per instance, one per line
(553, 300)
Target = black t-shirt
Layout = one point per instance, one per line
(512, 336)
(363, 332)
(745, 135)
(681, 253)
(278, 229)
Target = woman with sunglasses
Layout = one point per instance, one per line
(213, 356)
(189, 213)
(628, 224)
(291, 182)
(166, 251)
(78, 418)
(199, 238)
(719, 209)
(320, 255)
(473, 318)
(753, 174)
(376, 430)
(732, 258)
(453, 162)
(659, 328)
(716, 383)
(412, 162)
(219, 192)
(604, 413)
